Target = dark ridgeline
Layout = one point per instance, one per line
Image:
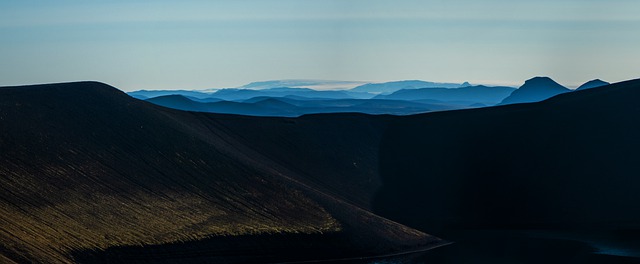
(88, 174)
(109, 168)
(534, 90)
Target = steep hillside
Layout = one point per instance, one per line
(88, 173)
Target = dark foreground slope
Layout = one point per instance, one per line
(567, 162)
(549, 182)
(84, 168)
(89, 174)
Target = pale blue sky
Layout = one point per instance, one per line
(210, 44)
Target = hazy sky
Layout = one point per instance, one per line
(205, 44)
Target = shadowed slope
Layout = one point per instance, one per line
(85, 167)
(565, 162)
(333, 152)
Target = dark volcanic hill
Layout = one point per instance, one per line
(534, 90)
(592, 84)
(89, 174)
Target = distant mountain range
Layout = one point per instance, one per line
(468, 95)
(404, 97)
(292, 106)
(390, 87)
(244, 94)
(313, 84)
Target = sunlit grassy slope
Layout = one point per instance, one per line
(85, 167)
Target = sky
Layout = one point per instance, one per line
(135, 45)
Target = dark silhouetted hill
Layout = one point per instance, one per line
(89, 174)
(469, 94)
(592, 84)
(534, 90)
(567, 162)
